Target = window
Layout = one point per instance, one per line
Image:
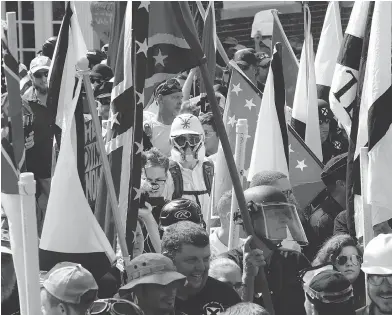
(58, 11)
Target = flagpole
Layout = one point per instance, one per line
(105, 162)
(185, 20)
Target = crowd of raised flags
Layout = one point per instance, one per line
(316, 160)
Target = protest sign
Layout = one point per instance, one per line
(102, 14)
(92, 162)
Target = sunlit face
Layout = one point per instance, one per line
(40, 81)
(381, 295)
(349, 269)
(154, 180)
(161, 298)
(211, 140)
(172, 103)
(138, 246)
(194, 263)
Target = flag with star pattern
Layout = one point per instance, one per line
(167, 51)
(124, 135)
(244, 101)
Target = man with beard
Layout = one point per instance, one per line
(377, 265)
(39, 156)
(153, 283)
(187, 245)
(9, 291)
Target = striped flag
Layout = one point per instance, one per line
(345, 78)
(115, 27)
(167, 51)
(290, 62)
(208, 42)
(377, 102)
(328, 50)
(68, 217)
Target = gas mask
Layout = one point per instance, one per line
(179, 152)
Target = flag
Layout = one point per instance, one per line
(289, 60)
(68, 218)
(345, 78)
(358, 135)
(243, 102)
(25, 81)
(377, 101)
(208, 42)
(270, 147)
(115, 27)
(305, 118)
(328, 50)
(167, 51)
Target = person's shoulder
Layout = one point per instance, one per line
(220, 291)
(363, 310)
(292, 255)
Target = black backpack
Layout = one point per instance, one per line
(175, 171)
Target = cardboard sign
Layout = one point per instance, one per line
(92, 162)
(102, 13)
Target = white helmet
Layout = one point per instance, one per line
(377, 258)
(186, 124)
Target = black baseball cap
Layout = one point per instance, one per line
(103, 72)
(246, 57)
(180, 210)
(95, 57)
(335, 168)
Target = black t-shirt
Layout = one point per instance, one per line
(213, 299)
(282, 276)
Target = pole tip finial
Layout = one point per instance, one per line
(83, 64)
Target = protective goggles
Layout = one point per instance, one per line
(190, 139)
(40, 74)
(306, 277)
(342, 260)
(114, 307)
(377, 280)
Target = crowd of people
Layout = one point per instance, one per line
(181, 262)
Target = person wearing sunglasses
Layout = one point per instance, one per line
(35, 110)
(346, 257)
(114, 307)
(168, 96)
(328, 292)
(191, 172)
(377, 265)
(153, 282)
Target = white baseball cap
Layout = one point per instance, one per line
(377, 258)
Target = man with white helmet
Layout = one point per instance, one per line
(377, 264)
(191, 172)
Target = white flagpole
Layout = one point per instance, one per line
(239, 158)
(30, 243)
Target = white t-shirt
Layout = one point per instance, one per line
(160, 134)
(193, 180)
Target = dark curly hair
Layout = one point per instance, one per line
(154, 157)
(332, 248)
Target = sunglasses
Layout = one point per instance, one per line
(39, 75)
(94, 80)
(191, 139)
(379, 279)
(355, 259)
(114, 306)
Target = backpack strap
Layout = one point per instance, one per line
(208, 174)
(178, 183)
